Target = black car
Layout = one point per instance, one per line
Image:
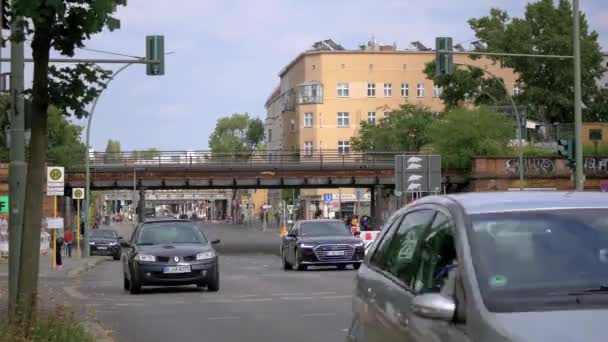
(169, 252)
(321, 243)
(105, 242)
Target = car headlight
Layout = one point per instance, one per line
(114, 243)
(306, 245)
(92, 243)
(145, 257)
(205, 255)
(358, 244)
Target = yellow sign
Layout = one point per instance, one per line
(78, 193)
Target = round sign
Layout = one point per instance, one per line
(55, 174)
(78, 193)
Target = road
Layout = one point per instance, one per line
(257, 301)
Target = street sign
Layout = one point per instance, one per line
(417, 173)
(78, 193)
(359, 194)
(290, 208)
(4, 205)
(54, 222)
(55, 177)
(327, 198)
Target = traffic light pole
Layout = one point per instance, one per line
(579, 174)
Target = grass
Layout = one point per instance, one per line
(55, 326)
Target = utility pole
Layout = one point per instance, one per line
(578, 116)
(17, 168)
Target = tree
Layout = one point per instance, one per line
(150, 153)
(546, 29)
(63, 25)
(597, 107)
(405, 130)
(113, 151)
(463, 134)
(237, 133)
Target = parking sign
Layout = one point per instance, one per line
(327, 198)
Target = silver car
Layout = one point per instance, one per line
(517, 266)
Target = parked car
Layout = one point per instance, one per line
(488, 267)
(321, 243)
(105, 242)
(169, 252)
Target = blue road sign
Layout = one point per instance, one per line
(327, 198)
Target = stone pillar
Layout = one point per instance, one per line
(141, 207)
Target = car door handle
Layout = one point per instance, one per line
(402, 320)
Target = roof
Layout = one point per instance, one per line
(350, 52)
(489, 202)
(275, 93)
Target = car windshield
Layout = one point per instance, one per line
(103, 234)
(522, 258)
(169, 233)
(323, 229)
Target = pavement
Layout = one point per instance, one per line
(257, 301)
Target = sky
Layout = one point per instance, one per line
(228, 53)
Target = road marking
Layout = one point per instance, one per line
(337, 297)
(223, 318)
(318, 315)
(129, 304)
(246, 296)
(322, 293)
(297, 298)
(288, 294)
(255, 300)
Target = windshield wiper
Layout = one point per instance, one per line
(602, 289)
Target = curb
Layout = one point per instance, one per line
(85, 268)
(98, 332)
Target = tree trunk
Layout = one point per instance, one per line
(36, 175)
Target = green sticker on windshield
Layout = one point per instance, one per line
(498, 281)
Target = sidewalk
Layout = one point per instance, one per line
(71, 266)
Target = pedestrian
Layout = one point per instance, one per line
(58, 261)
(277, 218)
(68, 237)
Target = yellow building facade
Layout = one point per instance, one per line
(323, 96)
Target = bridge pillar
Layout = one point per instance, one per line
(380, 206)
(141, 206)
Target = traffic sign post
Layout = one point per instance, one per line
(417, 174)
(55, 183)
(78, 195)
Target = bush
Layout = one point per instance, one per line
(463, 134)
(57, 326)
(591, 150)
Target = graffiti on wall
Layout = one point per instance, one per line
(596, 166)
(532, 167)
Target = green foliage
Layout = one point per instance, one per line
(57, 326)
(599, 150)
(463, 134)
(65, 147)
(467, 84)
(597, 107)
(546, 29)
(148, 154)
(113, 152)
(406, 130)
(237, 133)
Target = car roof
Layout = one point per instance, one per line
(320, 220)
(164, 220)
(491, 202)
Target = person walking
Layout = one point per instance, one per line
(58, 261)
(68, 237)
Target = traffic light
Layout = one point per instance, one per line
(155, 51)
(566, 149)
(444, 62)
(5, 7)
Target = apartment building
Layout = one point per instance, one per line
(325, 93)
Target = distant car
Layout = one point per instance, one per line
(183, 217)
(169, 252)
(321, 243)
(516, 266)
(105, 242)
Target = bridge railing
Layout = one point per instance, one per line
(275, 158)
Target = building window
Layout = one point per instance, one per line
(595, 134)
(308, 120)
(405, 89)
(420, 90)
(310, 92)
(343, 147)
(343, 119)
(343, 90)
(314, 67)
(388, 90)
(371, 118)
(308, 148)
(371, 89)
(269, 134)
(371, 67)
(387, 117)
(436, 90)
(516, 90)
(293, 126)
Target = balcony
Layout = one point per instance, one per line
(310, 92)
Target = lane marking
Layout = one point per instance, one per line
(255, 300)
(246, 296)
(337, 297)
(129, 304)
(223, 318)
(296, 298)
(288, 294)
(322, 293)
(319, 315)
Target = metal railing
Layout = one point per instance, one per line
(319, 158)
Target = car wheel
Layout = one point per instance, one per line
(297, 265)
(357, 265)
(341, 267)
(126, 283)
(134, 286)
(213, 285)
(286, 265)
(116, 256)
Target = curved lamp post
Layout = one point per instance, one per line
(87, 161)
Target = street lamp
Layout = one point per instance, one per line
(578, 116)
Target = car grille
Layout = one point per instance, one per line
(323, 252)
(162, 259)
(192, 274)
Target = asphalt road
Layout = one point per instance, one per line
(257, 301)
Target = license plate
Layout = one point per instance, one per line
(102, 248)
(176, 269)
(335, 253)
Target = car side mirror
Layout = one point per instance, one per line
(216, 241)
(125, 244)
(120, 238)
(291, 235)
(434, 306)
